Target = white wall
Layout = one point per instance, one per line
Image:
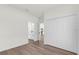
(60, 28)
(78, 30)
(13, 27)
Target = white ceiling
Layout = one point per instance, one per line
(35, 9)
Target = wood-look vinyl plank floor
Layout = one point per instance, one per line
(32, 49)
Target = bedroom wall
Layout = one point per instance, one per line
(13, 27)
(61, 27)
(78, 29)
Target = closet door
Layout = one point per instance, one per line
(61, 32)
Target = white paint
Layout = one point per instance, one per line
(13, 27)
(78, 31)
(61, 28)
(61, 10)
(38, 9)
(62, 33)
(35, 9)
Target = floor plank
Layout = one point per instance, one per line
(32, 49)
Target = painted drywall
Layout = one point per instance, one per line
(60, 28)
(78, 30)
(13, 27)
(61, 10)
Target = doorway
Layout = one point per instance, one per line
(31, 32)
(41, 36)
